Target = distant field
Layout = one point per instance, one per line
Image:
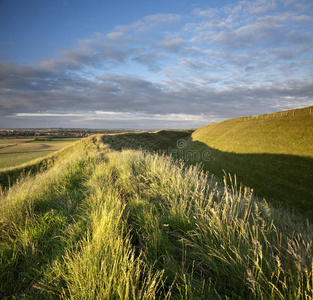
(14, 152)
(12, 141)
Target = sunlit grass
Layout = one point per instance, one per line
(288, 133)
(105, 224)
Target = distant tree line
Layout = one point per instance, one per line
(55, 133)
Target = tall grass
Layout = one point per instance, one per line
(135, 225)
(40, 216)
(104, 264)
(194, 229)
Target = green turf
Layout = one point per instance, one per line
(273, 154)
(275, 133)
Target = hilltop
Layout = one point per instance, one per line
(272, 153)
(287, 132)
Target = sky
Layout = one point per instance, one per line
(139, 64)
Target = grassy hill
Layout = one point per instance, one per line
(98, 221)
(273, 154)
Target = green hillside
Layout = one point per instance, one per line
(289, 132)
(273, 154)
(99, 220)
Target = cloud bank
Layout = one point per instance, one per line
(170, 71)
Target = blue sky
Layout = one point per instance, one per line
(152, 64)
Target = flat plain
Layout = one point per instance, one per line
(14, 151)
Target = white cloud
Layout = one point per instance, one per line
(302, 18)
(150, 60)
(236, 60)
(42, 115)
(149, 22)
(117, 36)
(210, 13)
(173, 45)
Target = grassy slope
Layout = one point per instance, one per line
(288, 132)
(105, 224)
(271, 153)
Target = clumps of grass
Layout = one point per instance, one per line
(136, 225)
(40, 216)
(104, 264)
(196, 231)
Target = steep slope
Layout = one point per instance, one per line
(289, 132)
(271, 153)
